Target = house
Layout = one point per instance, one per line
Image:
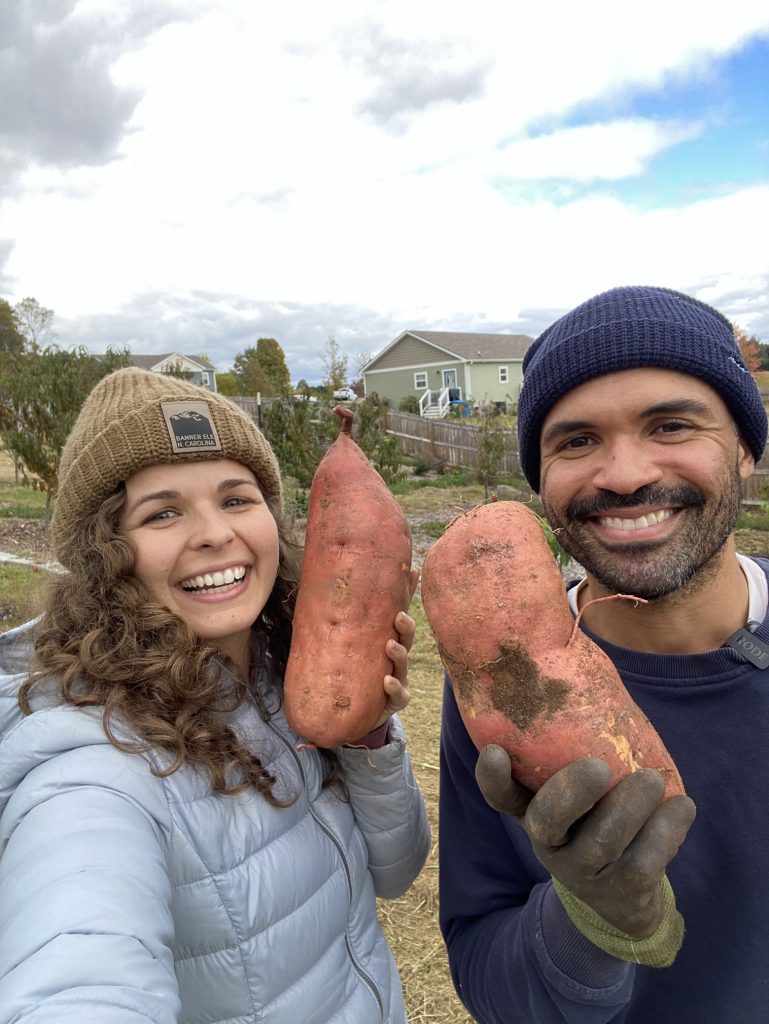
(195, 368)
(444, 366)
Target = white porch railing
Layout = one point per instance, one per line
(434, 403)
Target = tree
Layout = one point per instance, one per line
(175, 369)
(334, 361)
(11, 338)
(34, 321)
(749, 348)
(12, 343)
(381, 447)
(227, 383)
(299, 433)
(45, 392)
(359, 360)
(491, 447)
(273, 359)
(262, 369)
(249, 374)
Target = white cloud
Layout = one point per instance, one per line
(342, 166)
(610, 151)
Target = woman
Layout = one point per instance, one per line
(170, 850)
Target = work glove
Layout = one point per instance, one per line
(607, 849)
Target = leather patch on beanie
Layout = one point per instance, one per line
(191, 427)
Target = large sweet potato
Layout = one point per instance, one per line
(523, 677)
(355, 578)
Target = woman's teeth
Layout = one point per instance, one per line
(637, 524)
(213, 580)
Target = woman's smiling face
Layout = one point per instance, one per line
(205, 546)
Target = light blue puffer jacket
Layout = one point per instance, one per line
(125, 898)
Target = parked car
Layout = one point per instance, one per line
(344, 395)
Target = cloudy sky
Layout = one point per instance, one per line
(191, 175)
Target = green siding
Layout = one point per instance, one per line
(483, 385)
(396, 384)
(409, 351)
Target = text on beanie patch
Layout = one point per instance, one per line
(191, 427)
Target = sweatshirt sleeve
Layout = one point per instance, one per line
(514, 955)
(389, 810)
(85, 897)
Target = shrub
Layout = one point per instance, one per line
(409, 404)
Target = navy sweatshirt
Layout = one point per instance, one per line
(517, 959)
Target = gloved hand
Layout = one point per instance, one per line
(609, 849)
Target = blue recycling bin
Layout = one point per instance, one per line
(461, 407)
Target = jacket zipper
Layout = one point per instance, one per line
(359, 969)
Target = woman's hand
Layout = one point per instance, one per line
(396, 686)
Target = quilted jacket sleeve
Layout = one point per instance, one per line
(85, 921)
(390, 812)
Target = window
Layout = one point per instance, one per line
(420, 381)
(204, 378)
(503, 375)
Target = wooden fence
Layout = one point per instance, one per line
(456, 444)
(448, 442)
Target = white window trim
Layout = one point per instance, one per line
(423, 375)
(504, 375)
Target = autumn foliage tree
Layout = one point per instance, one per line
(750, 348)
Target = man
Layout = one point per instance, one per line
(637, 423)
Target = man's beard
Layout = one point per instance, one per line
(651, 569)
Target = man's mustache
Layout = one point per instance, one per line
(682, 495)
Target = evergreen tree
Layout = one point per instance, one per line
(44, 394)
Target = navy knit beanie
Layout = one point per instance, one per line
(626, 328)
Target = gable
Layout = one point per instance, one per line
(409, 350)
(471, 347)
(165, 361)
(426, 348)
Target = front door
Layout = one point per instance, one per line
(450, 381)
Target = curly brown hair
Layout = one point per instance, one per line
(107, 644)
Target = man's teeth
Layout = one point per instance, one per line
(215, 579)
(637, 524)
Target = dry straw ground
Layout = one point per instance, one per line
(411, 923)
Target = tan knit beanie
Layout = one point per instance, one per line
(135, 418)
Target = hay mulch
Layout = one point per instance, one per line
(411, 922)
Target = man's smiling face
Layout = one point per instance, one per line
(641, 473)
